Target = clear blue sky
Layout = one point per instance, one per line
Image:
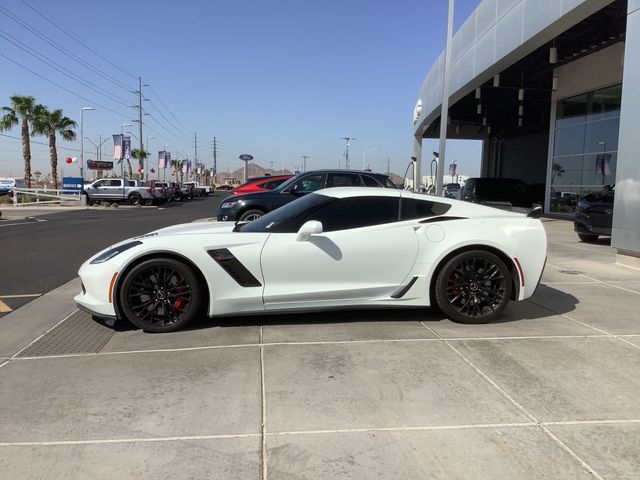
(276, 79)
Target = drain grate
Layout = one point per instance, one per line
(77, 334)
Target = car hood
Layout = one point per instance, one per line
(208, 227)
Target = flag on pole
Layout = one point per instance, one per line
(452, 169)
(188, 165)
(185, 166)
(167, 157)
(162, 159)
(117, 147)
(126, 148)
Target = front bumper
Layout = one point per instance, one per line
(227, 215)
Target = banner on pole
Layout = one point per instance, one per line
(126, 148)
(117, 147)
(162, 159)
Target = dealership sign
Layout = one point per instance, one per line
(72, 184)
(99, 165)
(245, 157)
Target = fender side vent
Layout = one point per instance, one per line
(234, 268)
(401, 293)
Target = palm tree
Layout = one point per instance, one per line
(139, 155)
(50, 123)
(21, 111)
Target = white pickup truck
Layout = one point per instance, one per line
(118, 190)
(201, 190)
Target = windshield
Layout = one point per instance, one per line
(288, 217)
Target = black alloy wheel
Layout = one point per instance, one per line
(160, 295)
(473, 287)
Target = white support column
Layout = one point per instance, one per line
(417, 154)
(444, 113)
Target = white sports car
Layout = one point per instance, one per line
(335, 248)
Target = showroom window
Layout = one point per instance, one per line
(585, 147)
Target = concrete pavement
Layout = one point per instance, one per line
(552, 389)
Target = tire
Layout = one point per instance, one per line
(473, 287)
(251, 215)
(178, 198)
(587, 238)
(148, 202)
(135, 199)
(160, 295)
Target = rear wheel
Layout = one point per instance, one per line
(585, 237)
(251, 215)
(148, 202)
(473, 287)
(160, 295)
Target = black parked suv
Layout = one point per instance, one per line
(509, 191)
(250, 206)
(594, 215)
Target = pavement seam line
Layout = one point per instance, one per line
(34, 341)
(520, 407)
(425, 428)
(609, 284)
(129, 440)
(263, 412)
(606, 334)
(276, 344)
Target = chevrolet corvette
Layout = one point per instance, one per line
(332, 249)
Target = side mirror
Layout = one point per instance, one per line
(309, 228)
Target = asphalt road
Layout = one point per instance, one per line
(42, 254)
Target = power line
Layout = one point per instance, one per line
(166, 108)
(64, 88)
(49, 19)
(167, 120)
(60, 48)
(60, 68)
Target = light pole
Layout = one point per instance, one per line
(122, 153)
(304, 165)
(82, 110)
(98, 147)
(347, 163)
(164, 170)
(364, 156)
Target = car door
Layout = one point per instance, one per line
(363, 253)
(98, 190)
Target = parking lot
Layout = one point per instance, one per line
(551, 390)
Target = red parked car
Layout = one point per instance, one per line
(260, 184)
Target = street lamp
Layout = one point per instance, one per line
(364, 156)
(82, 110)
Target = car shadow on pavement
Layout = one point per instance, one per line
(546, 302)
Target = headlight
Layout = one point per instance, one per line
(230, 204)
(112, 252)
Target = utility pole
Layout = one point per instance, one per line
(195, 160)
(215, 159)
(388, 167)
(347, 164)
(141, 162)
(304, 166)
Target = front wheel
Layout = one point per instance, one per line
(251, 215)
(473, 287)
(587, 238)
(160, 295)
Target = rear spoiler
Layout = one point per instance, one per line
(535, 213)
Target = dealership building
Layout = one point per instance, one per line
(552, 88)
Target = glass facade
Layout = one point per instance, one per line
(585, 146)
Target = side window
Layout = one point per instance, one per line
(356, 212)
(310, 183)
(370, 181)
(343, 180)
(413, 209)
(101, 183)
